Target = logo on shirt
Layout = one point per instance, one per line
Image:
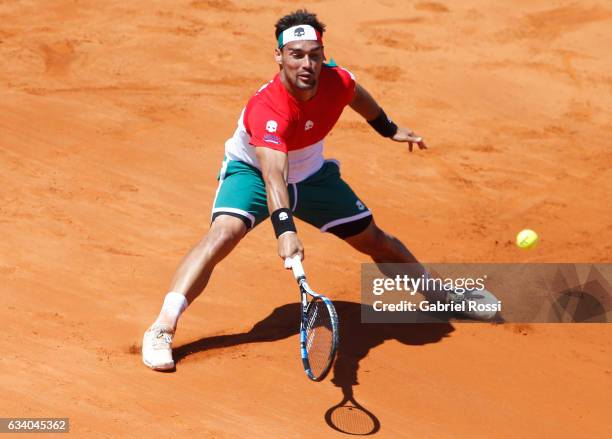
(309, 124)
(360, 205)
(272, 139)
(271, 126)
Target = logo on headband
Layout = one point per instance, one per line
(302, 32)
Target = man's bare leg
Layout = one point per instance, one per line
(381, 247)
(189, 281)
(193, 273)
(384, 248)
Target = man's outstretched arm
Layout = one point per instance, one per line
(274, 168)
(364, 104)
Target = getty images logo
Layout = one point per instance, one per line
(283, 216)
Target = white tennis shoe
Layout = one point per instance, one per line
(483, 304)
(157, 347)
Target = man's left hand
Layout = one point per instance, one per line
(409, 136)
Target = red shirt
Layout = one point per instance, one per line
(275, 119)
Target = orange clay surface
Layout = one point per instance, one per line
(113, 117)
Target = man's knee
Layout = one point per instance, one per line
(370, 240)
(225, 231)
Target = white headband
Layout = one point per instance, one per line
(302, 32)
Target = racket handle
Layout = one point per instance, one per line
(295, 263)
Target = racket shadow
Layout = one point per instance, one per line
(356, 341)
(350, 417)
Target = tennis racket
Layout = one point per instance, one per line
(318, 326)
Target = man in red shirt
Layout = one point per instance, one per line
(274, 166)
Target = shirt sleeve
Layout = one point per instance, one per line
(266, 128)
(348, 84)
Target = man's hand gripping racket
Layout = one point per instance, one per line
(318, 326)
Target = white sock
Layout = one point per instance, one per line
(173, 307)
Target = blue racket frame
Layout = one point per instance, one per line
(298, 272)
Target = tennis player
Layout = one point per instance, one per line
(274, 167)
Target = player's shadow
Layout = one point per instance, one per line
(356, 341)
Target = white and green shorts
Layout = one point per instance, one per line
(323, 200)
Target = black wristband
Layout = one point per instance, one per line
(383, 125)
(282, 221)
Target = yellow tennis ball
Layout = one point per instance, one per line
(526, 238)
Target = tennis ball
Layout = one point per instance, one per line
(526, 238)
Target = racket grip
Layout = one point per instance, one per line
(295, 263)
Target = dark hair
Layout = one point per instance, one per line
(301, 16)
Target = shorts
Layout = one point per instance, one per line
(323, 200)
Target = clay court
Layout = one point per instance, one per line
(113, 117)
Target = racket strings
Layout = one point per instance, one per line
(319, 336)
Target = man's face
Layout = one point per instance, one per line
(301, 62)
